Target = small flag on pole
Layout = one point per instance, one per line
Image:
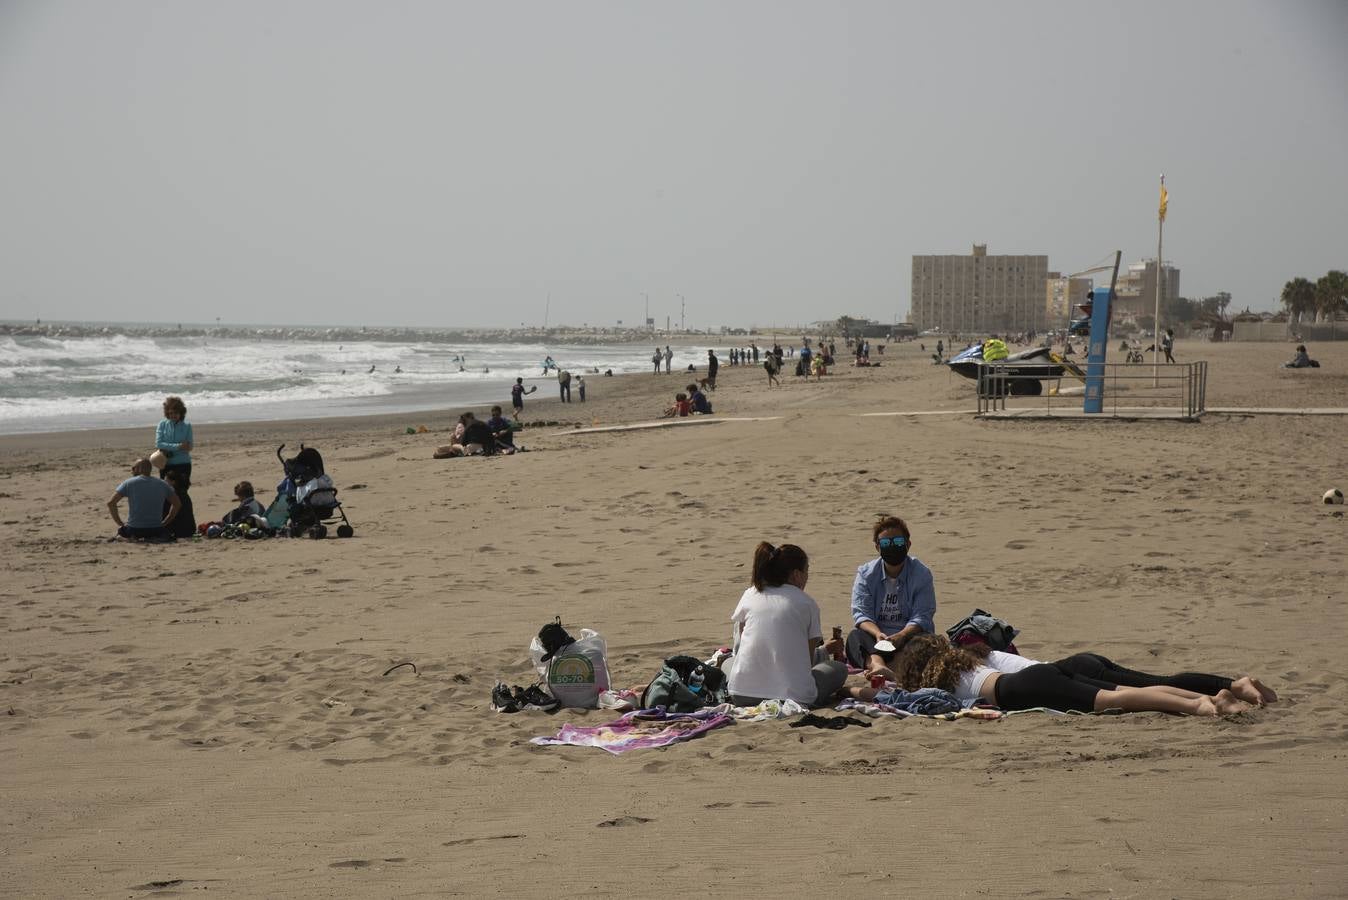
(1165, 199)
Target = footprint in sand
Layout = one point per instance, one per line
(623, 821)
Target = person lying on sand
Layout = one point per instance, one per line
(929, 660)
(145, 499)
(1092, 668)
(779, 650)
(893, 597)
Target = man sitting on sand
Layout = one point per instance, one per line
(499, 426)
(698, 400)
(893, 598)
(145, 498)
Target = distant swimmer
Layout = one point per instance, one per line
(371, 372)
(397, 370)
(344, 371)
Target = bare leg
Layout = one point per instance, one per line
(1252, 690)
(861, 693)
(1150, 699)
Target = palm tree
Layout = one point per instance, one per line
(1331, 295)
(1298, 295)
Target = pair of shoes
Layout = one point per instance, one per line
(502, 700)
(513, 699)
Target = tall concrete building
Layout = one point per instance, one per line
(979, 294)
(1135, 294)
(1061, 295)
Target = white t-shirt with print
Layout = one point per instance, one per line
(772, 653)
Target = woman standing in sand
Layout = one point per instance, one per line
(777, 637)
(173, 441)
(929, 660)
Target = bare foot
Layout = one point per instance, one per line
(1206, 707)
(1253, 690)
(1228, 704)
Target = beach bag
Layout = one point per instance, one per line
(317, 492)
(575, 670)
(981, 627)
(685, 684)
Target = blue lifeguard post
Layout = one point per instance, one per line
(1099, 346)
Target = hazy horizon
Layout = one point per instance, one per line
(448, 165)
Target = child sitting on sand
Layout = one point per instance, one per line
(247, 505)
(682, 407)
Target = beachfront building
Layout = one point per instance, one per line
(978, 293)
(1135, 294)
(1061, 295)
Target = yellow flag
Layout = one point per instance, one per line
(1165, 200)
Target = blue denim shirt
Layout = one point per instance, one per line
(914, 603)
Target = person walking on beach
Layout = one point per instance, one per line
(564, 385)
(713, 364)
(772, 367)
(580, 385)
(517, 393)
(893, 597)
(1168, 344)
(173, 440)
(656, 359)
(145, 499)
(669, 358)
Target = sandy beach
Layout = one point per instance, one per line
(214, 716)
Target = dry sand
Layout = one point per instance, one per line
(163, 715)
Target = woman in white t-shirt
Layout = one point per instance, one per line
(778, 642)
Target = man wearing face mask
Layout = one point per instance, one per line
(893, 598)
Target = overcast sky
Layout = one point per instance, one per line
(442, 163)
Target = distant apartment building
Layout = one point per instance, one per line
(1135, 294)
(979, 293)
(1061, 295)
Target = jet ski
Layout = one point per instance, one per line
(1026, 369)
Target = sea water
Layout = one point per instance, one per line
(110, 381)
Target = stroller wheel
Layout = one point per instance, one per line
(345, 531)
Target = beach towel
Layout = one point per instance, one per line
(875, 710)
(763, 712)
(639, 730)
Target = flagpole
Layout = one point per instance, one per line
(1156, 319)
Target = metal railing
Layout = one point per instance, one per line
(1179, 389)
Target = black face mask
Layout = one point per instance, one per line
(894, 555)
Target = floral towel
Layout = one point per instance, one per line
(639, 730)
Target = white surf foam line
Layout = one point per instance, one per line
(673, 423)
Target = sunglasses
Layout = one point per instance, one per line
(886, 543)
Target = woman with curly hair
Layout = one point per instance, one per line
(173, 442)
(929, 660)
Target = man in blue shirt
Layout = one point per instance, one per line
(145, 499)
(893, 597)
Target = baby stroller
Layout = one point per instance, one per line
(306, 499)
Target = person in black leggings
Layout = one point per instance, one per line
(930, 661)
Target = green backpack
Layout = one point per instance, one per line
(685, 684)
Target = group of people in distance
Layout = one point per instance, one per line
(779, 650)
(160, 509)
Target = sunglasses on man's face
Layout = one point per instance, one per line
(886, 543)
